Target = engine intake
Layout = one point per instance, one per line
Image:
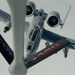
(53, 19)
(31, 8)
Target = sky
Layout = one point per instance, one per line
(56, 64)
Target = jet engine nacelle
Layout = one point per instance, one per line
(53, 19)
(31, 8)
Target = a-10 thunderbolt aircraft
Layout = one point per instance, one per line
(26, 36)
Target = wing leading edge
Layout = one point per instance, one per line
(53, 37)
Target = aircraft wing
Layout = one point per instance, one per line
(46, 52)
(6, 51)
(8, 54)
(4, 17)
(53, 37)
